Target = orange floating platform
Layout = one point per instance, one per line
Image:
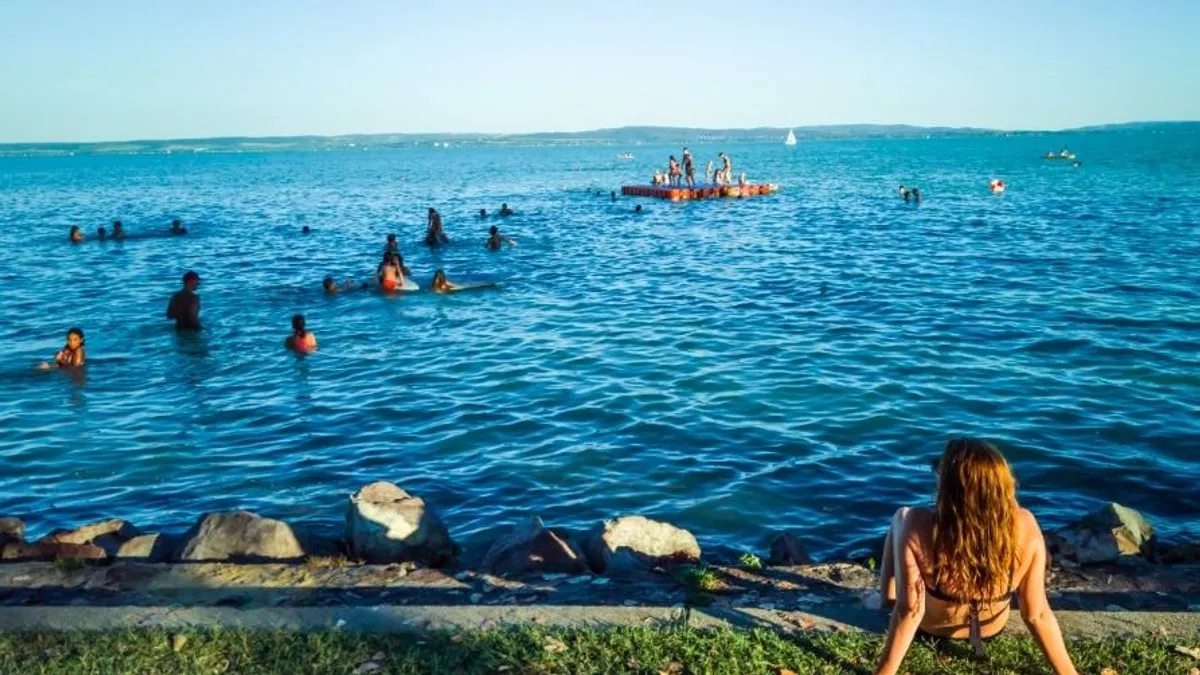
(682, 194)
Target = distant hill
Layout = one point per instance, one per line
(623, 136)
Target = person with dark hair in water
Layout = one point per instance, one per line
(953, 570)
(76, 234)
(301, 340)
(434, 234)
(118, 231)
(612, 196)
(177, 227)
(482, 213)
(916, 194)
(495, 240)
(505, 211)
(637, 209)
(101, 233)
(72, 355)
(331, 287)
(184, 307)
(305, 230)
(390, 274)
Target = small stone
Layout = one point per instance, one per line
(178, 642)
(462, 576)
(12, 531)
(239, 536)
(385, 524)
(1188, 651)
(1114, 608)
(365, 668)
(341, 623)
(476, 598)
(630, 603)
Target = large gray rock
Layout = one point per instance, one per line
(385, 524)
(12, 530)
(530, 548)
(152, 548)
(107, 534)
(239, 536)
(1106, 535)
(634, 543)
(786, 550)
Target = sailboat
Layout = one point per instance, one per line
(791, 138)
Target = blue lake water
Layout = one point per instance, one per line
(735, 366)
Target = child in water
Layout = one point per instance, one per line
(76, 234)
(495, 241)
(72, 355)
(301, 340)
(177, 227)
(118, 231)
(331, 287)
(441, 284)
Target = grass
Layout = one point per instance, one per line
(536, 651)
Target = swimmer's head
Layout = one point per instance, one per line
(637, 209)
(391, 238)
(483, 213)
(504, 206)
(74, 229)
(100, 232)
(494, 230)
(305, 230)
(298, 323)
(191, 279)
(672, 158)
(75, 337)
(439, 277)
(432, 211)
(328, 283)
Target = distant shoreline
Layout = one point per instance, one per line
(624, 136)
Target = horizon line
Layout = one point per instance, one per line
(598, 130)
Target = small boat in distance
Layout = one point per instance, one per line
(624, 155)
(791, 138)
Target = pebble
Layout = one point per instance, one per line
(462, 576)
(1114, 608)
(476, 598)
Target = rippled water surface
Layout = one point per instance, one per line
(736, 366)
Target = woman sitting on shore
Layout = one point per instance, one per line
(952, 571)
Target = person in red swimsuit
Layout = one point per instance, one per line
(301, 340)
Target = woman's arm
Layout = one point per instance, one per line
(77, 357)
(1035, 608)
(910, 600)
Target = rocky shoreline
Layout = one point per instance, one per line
(390, 534)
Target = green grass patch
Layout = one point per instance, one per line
(648, 650)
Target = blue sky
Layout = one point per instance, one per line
(73, 70)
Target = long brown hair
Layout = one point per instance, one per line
(974, 521)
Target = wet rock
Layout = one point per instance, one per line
(1180, 553)
(786, 551)
(151, 548)
(318, 544)
(12, 530)
(385, 524)
(49, 551)
(531, 548)
(635, 543)
(239, 536)
(1103, 536)
(108, 535)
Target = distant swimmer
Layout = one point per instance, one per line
(637, 209)
(76, 234)
(482, 213)
(72, 355)
(305, 230)
(332, 288)
(389, 275)
(118, 231)
(394, 248)
(434, 234)
(101, 233)
(495, 241)
(613, 195)
(301, 340)
(689, 168)
(905, 193)
(1077, 164)
(441, 284)
(673, 171)
(916, 195)
(902, 190)
(505, 211)
(177, 227)
(996, 186)
(184, 307)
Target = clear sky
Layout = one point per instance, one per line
(119, 69)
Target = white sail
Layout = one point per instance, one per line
(791, 138)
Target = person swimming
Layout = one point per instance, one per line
(177, 227)
(916, 194)
(72, 355)
(637, 209)
(390, 275)
(301, 340)
(482, 213)
(434, 234)
(118, 231)
(101, 233)
(440, 284)
(76, 234)
(505, 211)
(495, 241)
(332, 288)
(305, 230)
(612, 196)
(184, 307)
